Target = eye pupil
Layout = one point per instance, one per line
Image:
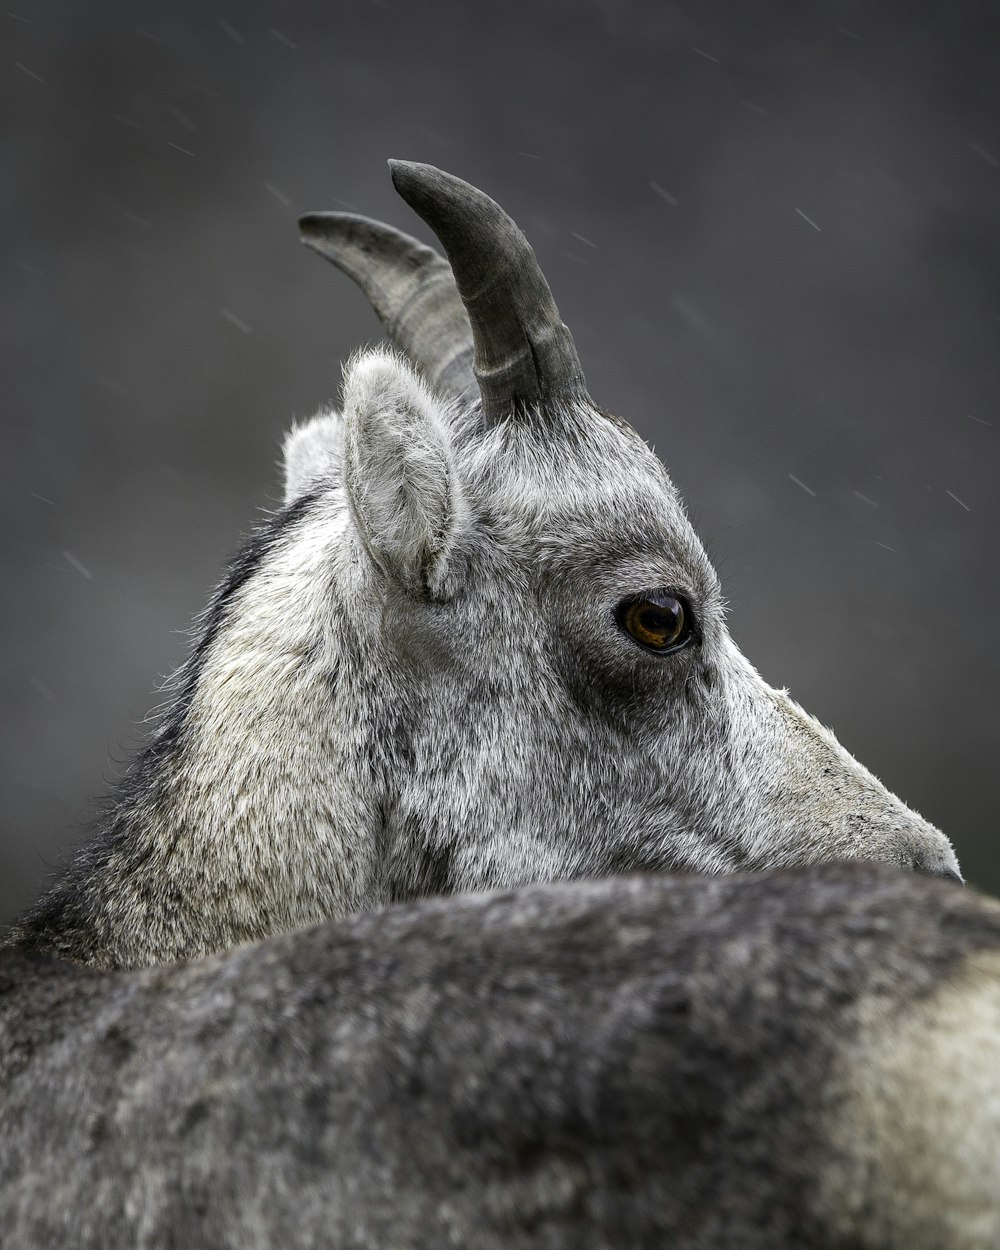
(658, 622)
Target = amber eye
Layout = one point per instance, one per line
(660, 622)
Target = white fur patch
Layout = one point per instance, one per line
(312, 453)
(920, 1124)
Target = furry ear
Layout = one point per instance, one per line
(312, 453)
(399, 473)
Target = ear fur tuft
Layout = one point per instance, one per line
(399, 473)
(312, 452)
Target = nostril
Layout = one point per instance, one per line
(942, 871)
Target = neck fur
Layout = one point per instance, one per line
(242, 818)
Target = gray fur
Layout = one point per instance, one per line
(413, 682)
(723, 1064)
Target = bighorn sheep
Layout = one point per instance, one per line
(480, 646)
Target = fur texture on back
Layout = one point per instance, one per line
(794, 1060)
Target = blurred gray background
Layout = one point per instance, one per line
(774, 229)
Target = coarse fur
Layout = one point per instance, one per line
(413, 683)
(802, 1059)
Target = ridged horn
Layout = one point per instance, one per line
(411, 288)
(524, 355)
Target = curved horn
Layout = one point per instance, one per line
(523, 352)
(411, 288)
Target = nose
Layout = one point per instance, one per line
(936, 868)
(932, 853)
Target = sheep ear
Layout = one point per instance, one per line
(312, 454)
(399, 475)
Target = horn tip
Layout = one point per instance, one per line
(310, 226)
(325, 230)
(402, 173)
(397, 167)
(412, 177)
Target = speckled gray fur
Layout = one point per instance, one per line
(631, 1063)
